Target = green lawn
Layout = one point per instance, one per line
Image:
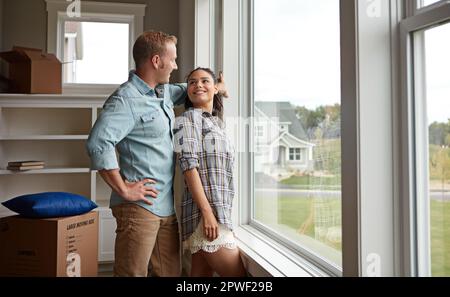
(311, 182)
(295, 214)
(440, 238)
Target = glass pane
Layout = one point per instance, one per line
(297, 190)
(95, 53)
(437, 92)
(423, 3)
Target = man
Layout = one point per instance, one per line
(137, 121)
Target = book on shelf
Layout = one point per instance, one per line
(22, 168)
(25, 163)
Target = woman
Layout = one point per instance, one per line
(206, 159)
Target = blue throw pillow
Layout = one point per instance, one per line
(50, 205)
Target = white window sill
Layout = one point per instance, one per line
(264, 258)
(89, 89)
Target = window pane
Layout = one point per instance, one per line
(95, 53)
(423, 3)
(437, 92)
(297, 101)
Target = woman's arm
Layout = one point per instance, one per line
(194, 183)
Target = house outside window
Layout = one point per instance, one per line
(283, 128)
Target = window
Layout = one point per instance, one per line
(435, 95)
(366, 108)
(437, 90)
(259, 131)
(94, 45)
(295, 154)
(95, 52)
(299, 203)
(423, 3)
(429, 91)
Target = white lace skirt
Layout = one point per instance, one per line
(197, 241)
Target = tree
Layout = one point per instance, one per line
(316, 117)
(325, 117)
(438, 133)
(303, 115)
(440, 165)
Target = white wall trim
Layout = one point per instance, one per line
(205, 33)
(137, 11)
(375, 140)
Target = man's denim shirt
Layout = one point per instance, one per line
(137, 121)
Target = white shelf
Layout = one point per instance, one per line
(53, 128)
(69, 97)
(45, 137)
(52, 100)
(46, 171)
(102, 204)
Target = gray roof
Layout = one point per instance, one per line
(286, 113)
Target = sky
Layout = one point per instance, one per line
(105, 53)
(437, 59)
(297, 56)
(297, 51)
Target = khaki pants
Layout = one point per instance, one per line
(143, 238)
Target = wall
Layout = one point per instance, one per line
(2, 66)
(160, 15)
(186, 37)
(1, 24)
(25, 22)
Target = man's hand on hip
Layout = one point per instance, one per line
(136, 191)
(130, 191)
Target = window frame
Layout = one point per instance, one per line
(415, 7)
(415, 135)
(260, 131)
(369, 97)
(297, 154)
(320, 264)
(131, 14)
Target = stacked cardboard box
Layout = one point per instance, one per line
(33, 72)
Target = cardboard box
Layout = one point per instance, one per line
(33, 72)
(66, 246)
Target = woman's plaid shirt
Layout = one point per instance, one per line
(200, 142)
